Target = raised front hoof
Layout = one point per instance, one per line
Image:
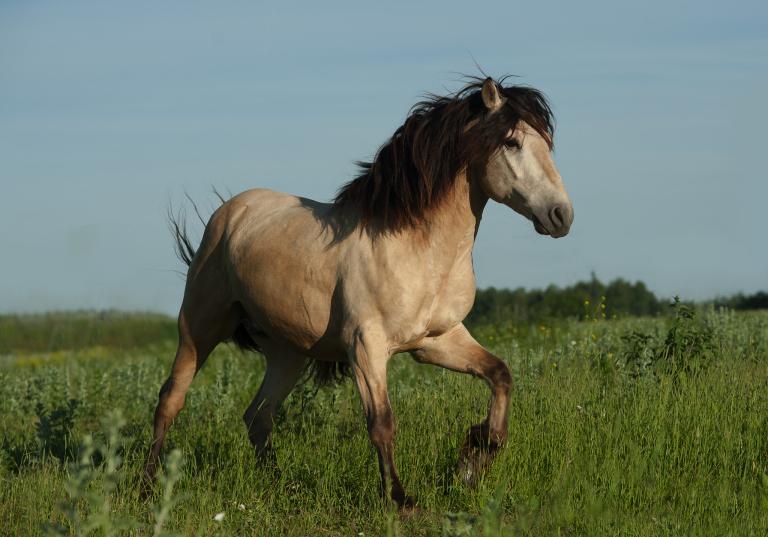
(476, 455)
(471, 468)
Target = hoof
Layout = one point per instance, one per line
(467, 473)
(266, 458)
(146, 488)
(472, 466)
(408, 508)
(476, 454)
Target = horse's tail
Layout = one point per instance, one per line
(321, 372)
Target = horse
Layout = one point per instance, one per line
(385, 268)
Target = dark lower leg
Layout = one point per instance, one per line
(190, 357)
(160, 427)
(457, 350)
(259, 425)
(382, 434)
(171, 401)
(484, 439)
(283, 371)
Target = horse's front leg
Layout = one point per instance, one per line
(457, 350)
(369, 356)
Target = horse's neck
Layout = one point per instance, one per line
(453, 225)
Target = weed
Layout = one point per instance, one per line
(689, 345)
(94, 480)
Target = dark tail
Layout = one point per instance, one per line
(322, 373)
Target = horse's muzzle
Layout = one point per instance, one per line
(556, 223)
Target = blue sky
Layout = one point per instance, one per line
(109, 110)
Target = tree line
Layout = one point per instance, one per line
(585, 299)
(740, 301)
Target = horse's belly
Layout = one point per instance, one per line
(287, 317)
(289, 305)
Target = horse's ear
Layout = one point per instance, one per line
(491, 97)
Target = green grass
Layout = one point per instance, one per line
(49, 332)
(629, 427)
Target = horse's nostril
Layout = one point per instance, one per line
(556, 215)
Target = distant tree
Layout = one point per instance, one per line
(624, 298)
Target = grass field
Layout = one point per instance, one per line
(623, 427)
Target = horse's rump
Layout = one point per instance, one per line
(321, 372)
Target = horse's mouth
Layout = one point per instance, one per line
(538, 226)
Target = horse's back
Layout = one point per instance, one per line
(282, 226)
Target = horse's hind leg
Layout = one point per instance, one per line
(284, 368)
(199, 333)
(457, 350)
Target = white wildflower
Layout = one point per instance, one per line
(218, 517)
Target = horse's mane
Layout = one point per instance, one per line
(414, 170)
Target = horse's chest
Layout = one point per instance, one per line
(454, 297)
(410, 293)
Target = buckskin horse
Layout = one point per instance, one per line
(385, 268)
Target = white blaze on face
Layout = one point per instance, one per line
(522, 175)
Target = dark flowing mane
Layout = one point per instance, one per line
(414, 170)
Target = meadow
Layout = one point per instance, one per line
(635, 426)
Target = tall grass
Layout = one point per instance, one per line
(632, 427)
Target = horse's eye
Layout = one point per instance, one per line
(512, 144)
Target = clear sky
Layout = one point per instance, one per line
(109, 110)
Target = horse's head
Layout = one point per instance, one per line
(520, 172)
